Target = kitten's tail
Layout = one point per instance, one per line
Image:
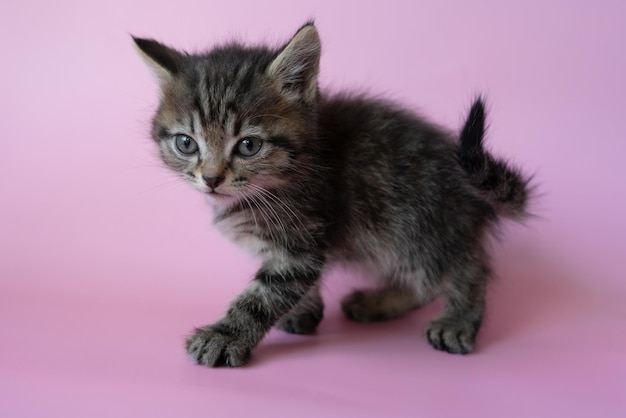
(503, 185)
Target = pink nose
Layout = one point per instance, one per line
(213, 182)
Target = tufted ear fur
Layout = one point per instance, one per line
(296, 66)
(163, 60)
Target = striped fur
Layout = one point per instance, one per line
(305, 179)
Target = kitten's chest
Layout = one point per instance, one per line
(244, 230)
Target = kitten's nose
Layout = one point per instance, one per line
(213, 182)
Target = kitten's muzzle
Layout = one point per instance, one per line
(213, 182)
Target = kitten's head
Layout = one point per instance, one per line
(236, 119)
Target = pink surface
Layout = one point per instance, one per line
(106, 261)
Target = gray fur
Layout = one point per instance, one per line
(337, 178)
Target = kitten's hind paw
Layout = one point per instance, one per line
(378, 304)
(300, 323)
(213, 347)
(453, 336)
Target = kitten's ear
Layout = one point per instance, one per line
(296, 66)
(163, 60)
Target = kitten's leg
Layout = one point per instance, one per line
(306, 315)
(274, 292)
(379, 304)
(455, 329)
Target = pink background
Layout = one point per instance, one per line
(106, 261)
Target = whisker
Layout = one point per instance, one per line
(291, 214)
(266, 115)
(168, 184)
(273, 232)
(273, 214)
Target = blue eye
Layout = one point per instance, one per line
(185, 144)
(249, 146)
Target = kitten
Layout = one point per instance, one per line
(305, 179)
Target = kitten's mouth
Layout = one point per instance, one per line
(216, 193)
(218, 199)
(218, 196)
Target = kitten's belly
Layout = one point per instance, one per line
(382, 260)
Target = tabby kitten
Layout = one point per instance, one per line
(305, 179)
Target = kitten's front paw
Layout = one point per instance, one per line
(214, 347)
(453, 336)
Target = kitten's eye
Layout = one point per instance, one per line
(185, 144)
(249, 146)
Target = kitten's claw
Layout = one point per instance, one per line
(210, 347)
(456, 337)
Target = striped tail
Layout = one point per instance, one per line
(504, 186)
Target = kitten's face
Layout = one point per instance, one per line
(233, 122)
(231, 153)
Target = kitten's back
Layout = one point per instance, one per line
(399, 187)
